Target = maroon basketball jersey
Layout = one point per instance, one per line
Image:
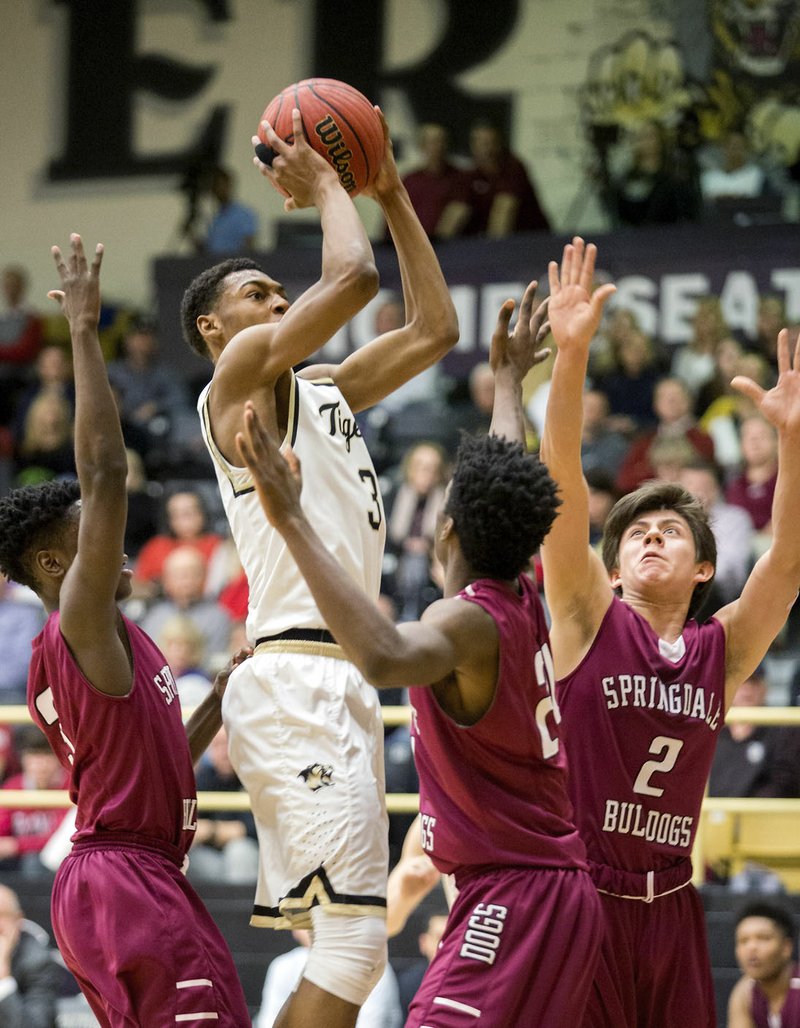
(127, 756)
(640, 722)
(789, 1016)
(494, 793)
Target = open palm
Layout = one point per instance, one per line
(574, 310)
(781, 404)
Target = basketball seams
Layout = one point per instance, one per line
(352, 129)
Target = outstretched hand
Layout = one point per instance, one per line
(575, 310)
(276, 476)
(518, 351)
(79, 297)
(297, 169)
(781, 404)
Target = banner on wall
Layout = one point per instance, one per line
(660, 274)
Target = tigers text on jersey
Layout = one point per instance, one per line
(641, 719)
(340, 498)
(495, 793)
(128, 756)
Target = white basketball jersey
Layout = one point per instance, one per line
(340, 498)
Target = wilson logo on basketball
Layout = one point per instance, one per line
(339, 155)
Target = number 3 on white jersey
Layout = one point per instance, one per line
(545, 678)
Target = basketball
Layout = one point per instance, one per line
(340, 124)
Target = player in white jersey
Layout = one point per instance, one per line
(304, 728)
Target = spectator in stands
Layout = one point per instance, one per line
(722, 420)
(187, 525)
(737, 175)
(225, 847)
(53, 374)
(502, 197)
(148, 391)
(45, 450)
(672, 405)
(438, 190)
(726, 355)
(24, 831)
(756, 760)
(770, 320)
(768, 993)
(182, 581)
(9, 764)
(20, 339)
(732, 528)
(603, 494)
(183, 645)
(411, 523)
(234, 227)
(142, 523)
(409, 980)
(652, 189)
(20, 622)
(30, 976)
(630, 383)
(754, 488)
(381, 1009)
(694, 363)
(669, 457)
(424, 388)
(603, 447)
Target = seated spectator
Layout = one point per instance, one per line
(182, 643)
(652, 188)
(381, 1009)
(20, 339)
(726, 354)
(694, 363)
(20, 623)
(25, 831)
(722, 420)
(45, 450)
(234, 227)
(422, 388)
(738, 175)
(438, 190)
(53, 374)
(411, 523)
(410, 979)
(732, 528)
(225, 847)
(603, 495)
(754, 488)
(603, 447)
(630, 384)
(672, 406)
(186, 525)
(182, 581)
(768, 993)
(143, 507)
(770, 319)
(30, 974)
(756, 760)
(148, 391)
(669, 457)
(502, 197)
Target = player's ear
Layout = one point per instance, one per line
(615, 578)
(49, 564)
(704, 572)
(445, 527)
(208, 325)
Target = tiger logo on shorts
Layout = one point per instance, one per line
(317, 775)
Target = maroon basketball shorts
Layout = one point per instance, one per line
(520, 948)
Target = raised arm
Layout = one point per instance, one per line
(431, 326)
(752, 622)
(576, 585)
(451, 637)
(87, 600)
(512, 357)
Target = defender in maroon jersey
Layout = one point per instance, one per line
(522, 937)
(132, 930)
(641, 686)
(768, 993)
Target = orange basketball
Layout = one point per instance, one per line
(339, 122)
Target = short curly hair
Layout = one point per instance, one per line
(201, 297)
(503, 503)
(662, 496)
(31, 518)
